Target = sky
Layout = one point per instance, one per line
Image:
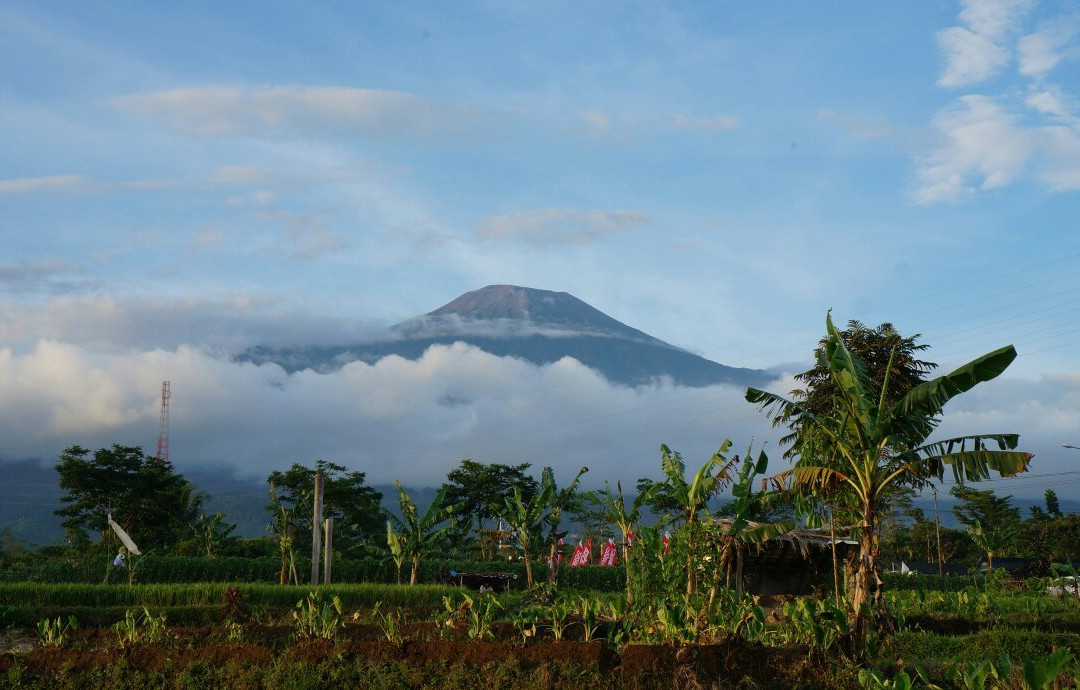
(179, 182)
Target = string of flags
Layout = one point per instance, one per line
(609, 553)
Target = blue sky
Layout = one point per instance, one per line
(178, 182)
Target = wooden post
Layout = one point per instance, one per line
(328, 549)
(316, 528)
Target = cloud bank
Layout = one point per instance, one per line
(396, 419)
(415, 420)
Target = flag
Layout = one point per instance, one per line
(578, 557)
(130, 545)
(607, 556)
(667, 542)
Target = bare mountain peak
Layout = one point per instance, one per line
(539, 308)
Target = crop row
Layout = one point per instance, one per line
(34, 594)
(163, 569)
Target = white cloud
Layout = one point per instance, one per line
(977, 51)
(1042, 51)
(229, 323)
(969, 57)
(393, 420)
(981, 145)
(67, 184)
(210, 111)
(994, 18)
(549, 226)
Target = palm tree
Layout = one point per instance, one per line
(875, 444)
(417, 533)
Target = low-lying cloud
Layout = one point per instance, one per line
(415, 420)
(396, 419)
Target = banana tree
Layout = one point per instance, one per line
(693, 495)
(992, 540)
(524, 518)
(558, 501)
(415, 533)
(612, 502)
(397, 554)
(875, 444)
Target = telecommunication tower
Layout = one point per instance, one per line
(163, 424)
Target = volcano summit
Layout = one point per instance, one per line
(539, 326)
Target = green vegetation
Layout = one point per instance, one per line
(674, 612)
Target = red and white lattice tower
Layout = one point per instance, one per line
(163, 424)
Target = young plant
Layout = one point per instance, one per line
(481, 615)
(54, 633)
(314, 618)
(557, 614)
(587, 609)
(1041, 673)
(390, 623)
(144, 627)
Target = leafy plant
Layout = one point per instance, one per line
(315, 618)
(481, 615)
(587, 609)
(140, 627)
(1041, 672)
(390, 623)
(557, 614)
(54, 633)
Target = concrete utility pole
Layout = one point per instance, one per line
(316, 528)
(328, 549)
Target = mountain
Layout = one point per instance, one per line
(539, 326)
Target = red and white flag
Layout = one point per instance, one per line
(579, 556)
(667, 542)
(607, 556)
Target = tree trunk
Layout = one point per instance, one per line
(835, 568)
(398, 572)
(867, 596)
(284, 567)
(528, 568)
(626, 566)
(990, 558)
(739, 588)
(553, 563)
(415, 567)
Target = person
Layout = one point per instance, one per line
(485, 588)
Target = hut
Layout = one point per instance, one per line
(797, 562)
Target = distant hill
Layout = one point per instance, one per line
(538, 326)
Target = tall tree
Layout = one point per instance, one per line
(875, 444)
(359, 519)
(480, 490)
(145, 496)
(1053, 508)
(891, 364)
(983, 506)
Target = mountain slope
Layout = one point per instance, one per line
(539, 326)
